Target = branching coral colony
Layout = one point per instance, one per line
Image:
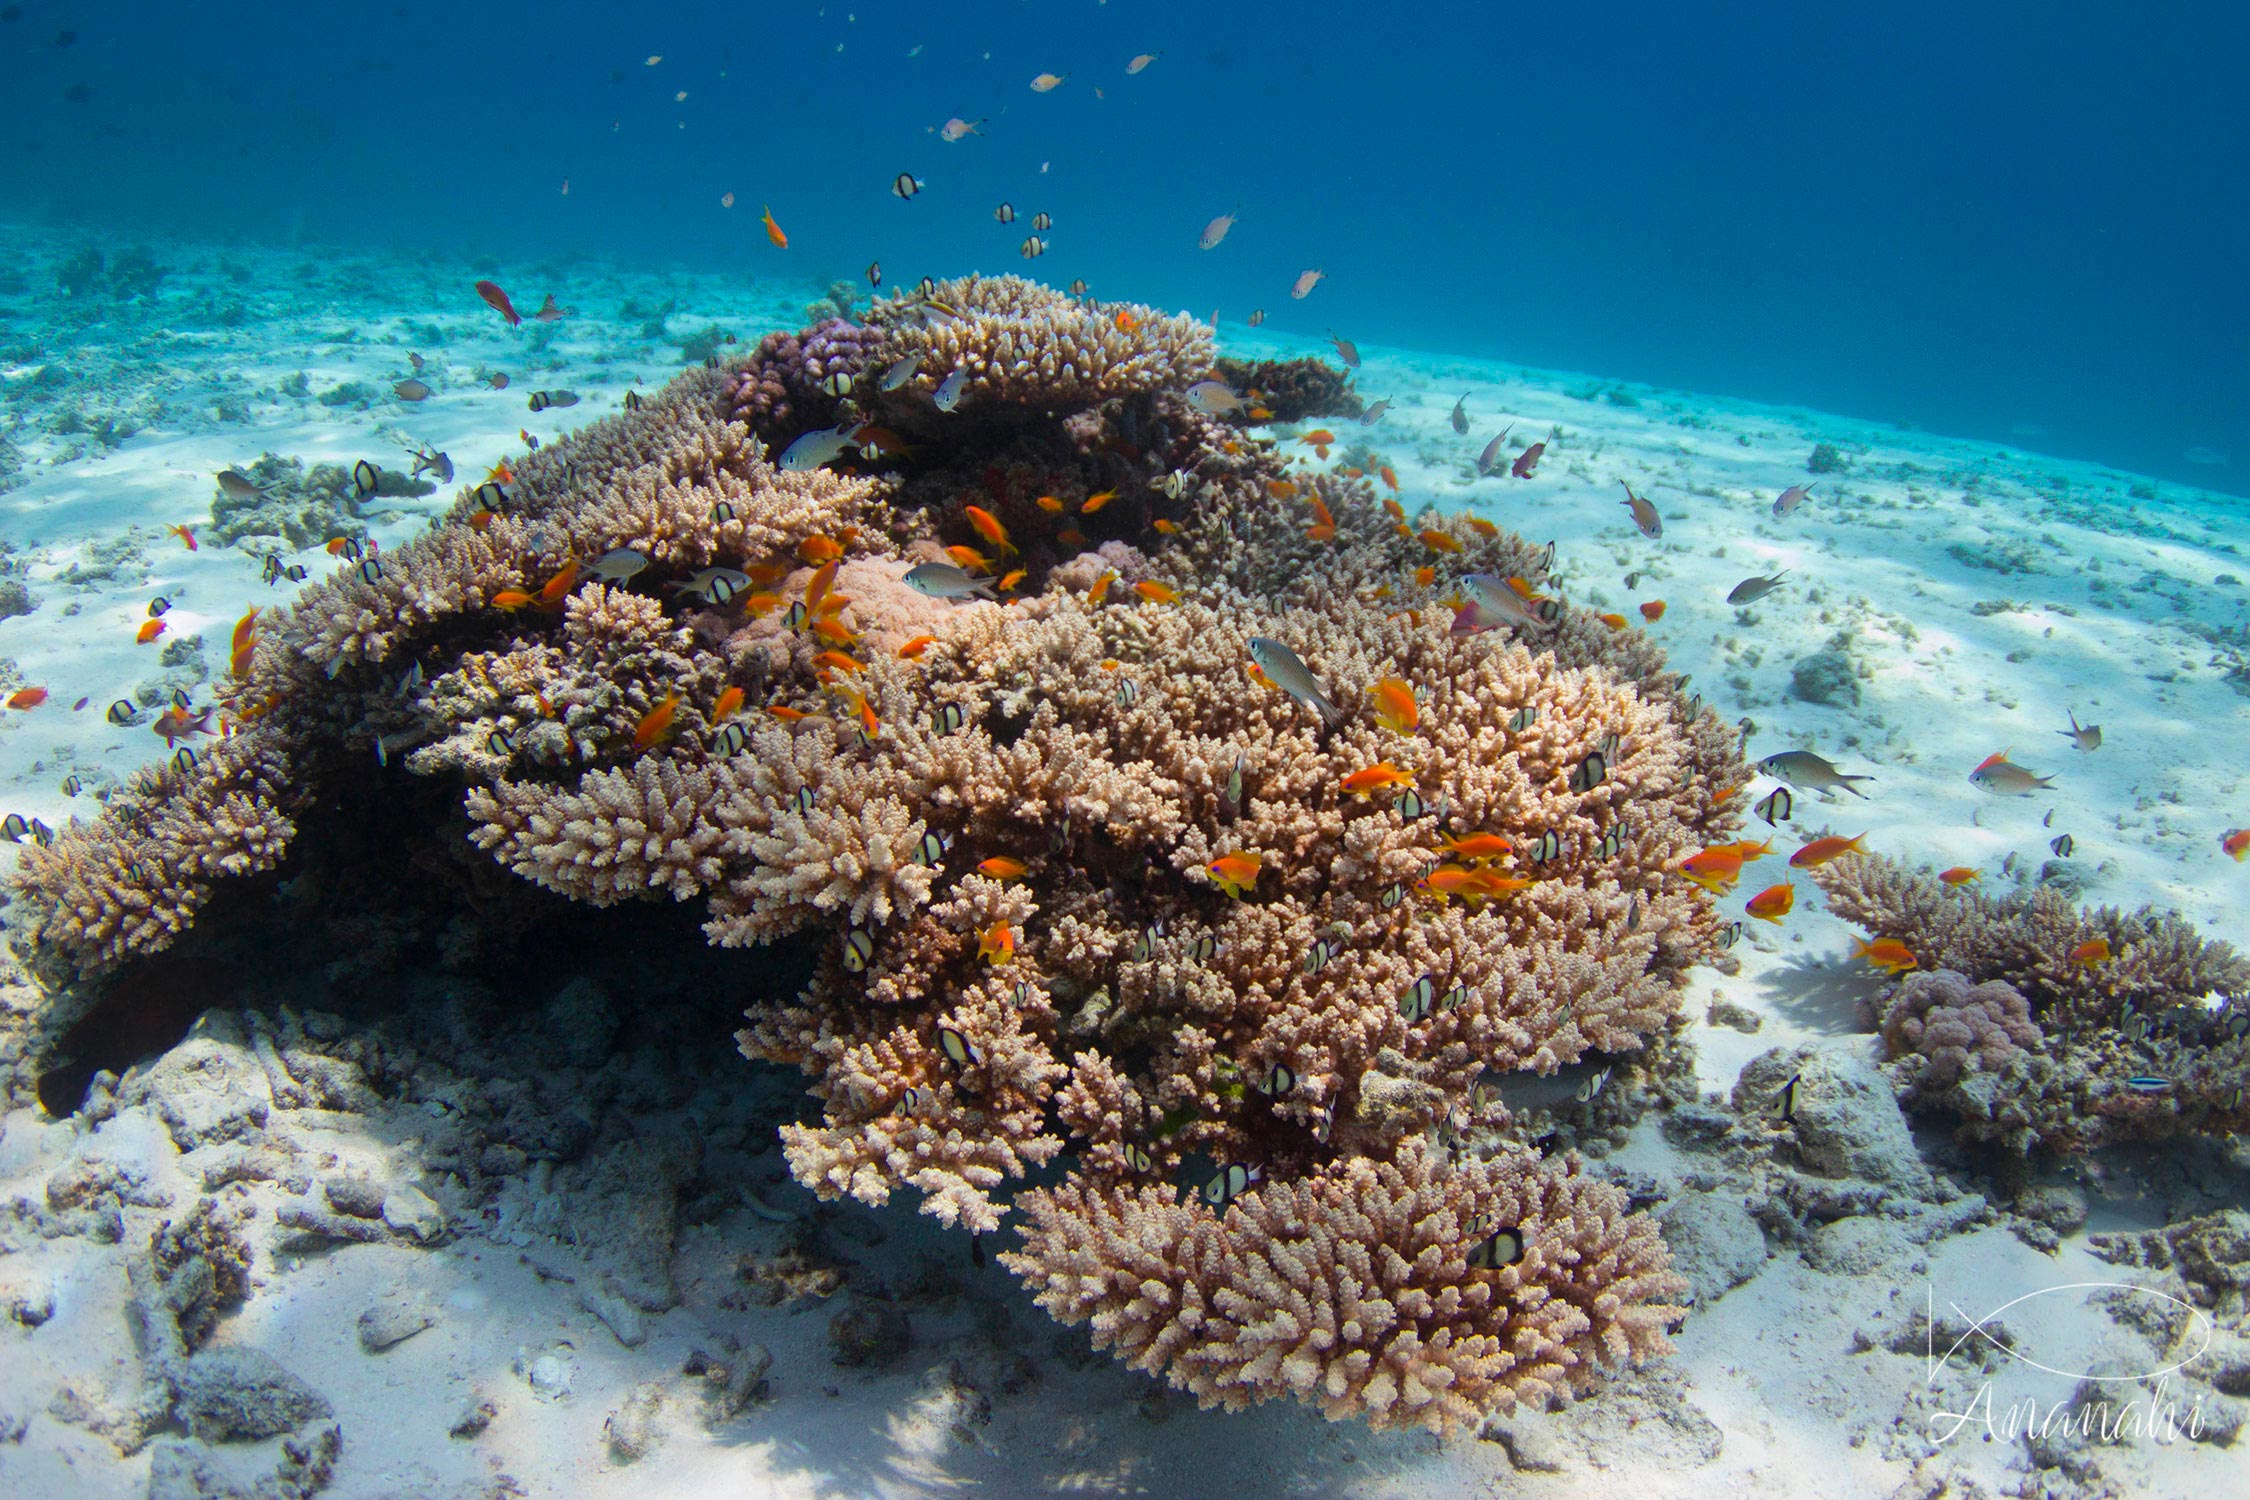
(1092, 891)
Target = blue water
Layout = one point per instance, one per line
(2021, 222)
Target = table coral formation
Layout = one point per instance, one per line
(2082, 1027)
(1079, 890)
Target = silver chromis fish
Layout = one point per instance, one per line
(1489, 460)
(1461, 414)
(2005, 778)
(821, 445)
(1214, 398)
(1809, 772)
(2084, 736)
(618, 565)
(1751, 590)
(1790, 498)
(1292, 676)
(949, 390)
(1644, 514)
(1215, 231)
(1489, 602)
(945, 581)
(900, 372)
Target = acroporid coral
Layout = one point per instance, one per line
(1114, 796)
(1360, 1287)
(2045, 1026)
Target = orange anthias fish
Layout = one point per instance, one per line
(1389, 477)
(773, 231)
(1051, 505)
(819, 549)
(1100, 587)
(498, 301)
(786, 714)
(1093, 503)
(1773, 903)
(1960, 875)
(149, 631)
(1395, 708)
(2091, 952)
(1821, 851)
(1236, 873)
(1440, 541)
(729, 701)
(1716, 869)
(1375, 777)
(1472, 886)
(244, 646)
(657, 722)
(1281, 489)
(551, 593)
(988, 526)
(1750, 853)
(913, 649)
(1613, 621)
(511, 599)
(1155, 593)
(1000, 867)
(1425, 576)
(997, 944)
(817, 586)
(1479, 846)
(838, 661)
(500, 474)
(1319, 437)
(1653, 611)
(27, 697)
(969, 559)
(1888, 954)
(2236, 842)
(1480, 526)
(1071, 536)
(184, 534)
(829, 628)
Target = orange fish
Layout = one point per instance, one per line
(1165, 527)
(762, 604)
(1126, 322)
(1012, 577)
(149, 631)
(1236, 873)
(816, 587)
(1324, 532)
(1821, 851)
(1101, 587)
(1653, 611)
(1425, 577)
(479, 519)
(869, 725)
(829, 628)
(1351, 473)
(1613, 621)
(997, 944)
(1959, 874)
(2236, 842)
(1395, 708)
(1480, 526)
(1473, 886)
(1440, 541)
(1280, 489)
(1716, 869)
(766, 574)
(1109, 664)
(1886, 953)
(837, 660)
(1093, 503)
(1389, 478)
(1000, 867)
(27, 697)
(988, 526)
(184, 534)
(1156, 593)
(1381, 774)
(500, 474)
(552, 592)
(913, 649)
(1051, 505)
(773, 231)
(1523, 590)
(1479, 846)
(244, 645)
(969, 559)
(1750, 853)
(657, 722)
(1319, 437)
(819, 549)
(2091, 952)
(1393, 509)
(1071, 536)
(510, 599)
(1773, 903)
(786, 714)
(729, 701)
(1258, 676)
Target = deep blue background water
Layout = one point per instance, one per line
(1966, 216)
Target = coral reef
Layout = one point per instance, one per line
(1068, 882)
(2081, 1028)
(1295, 389)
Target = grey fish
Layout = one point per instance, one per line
(1346, 350)
(945, 581)
(2084, 736)
(1492, 603)
(618, 565)
(1644, 514)
(901, 372)
(1213, 398)
(1791, 498)
(1215, 231)
(1461, 414)
(714, 585)
(949, 390)
(821, 445)
(1806, 771)
(1489, 459)
(239, 486)
(412, 390)
(1293, 677)
(2003, 777)
(426, 462)
(1374, 414)
(1751, 590)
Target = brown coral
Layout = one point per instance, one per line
(1295, 389)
